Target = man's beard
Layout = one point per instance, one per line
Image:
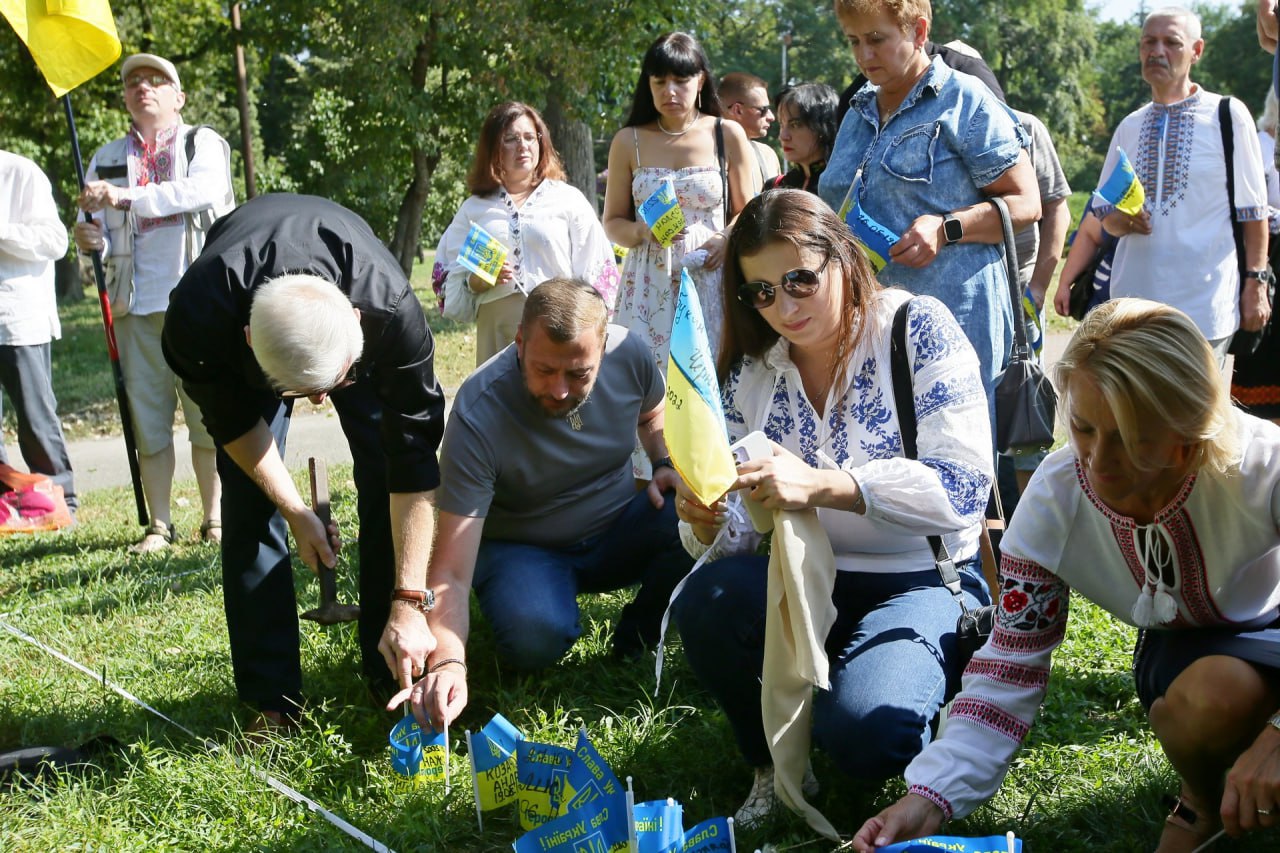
(569, 408)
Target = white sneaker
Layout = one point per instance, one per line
(762, 802)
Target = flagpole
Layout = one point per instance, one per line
(108, 324)
(632, 843)
(475, 781)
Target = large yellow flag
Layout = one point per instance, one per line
(695, 428)
(70, 40)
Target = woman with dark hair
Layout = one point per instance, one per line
(806, 360)
(519, 196)
(807, 130)
(674, 133)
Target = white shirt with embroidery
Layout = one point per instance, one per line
(1214, 551)
(1189, 258)
(943, 492)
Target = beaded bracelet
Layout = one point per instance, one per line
(446, 662)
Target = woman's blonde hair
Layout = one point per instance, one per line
(904, 12)
(1153, 365)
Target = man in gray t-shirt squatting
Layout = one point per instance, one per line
(537, 501)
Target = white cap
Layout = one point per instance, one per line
(150, 60)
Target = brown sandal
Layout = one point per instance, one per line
(156, 537)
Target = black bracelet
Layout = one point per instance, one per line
(664, 462)
(443, 663)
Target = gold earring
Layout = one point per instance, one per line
(699, 99)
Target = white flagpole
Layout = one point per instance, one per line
(475, 779)
(733, 846)
(632, 843)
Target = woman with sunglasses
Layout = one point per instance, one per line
(519, 196)
(805, 359)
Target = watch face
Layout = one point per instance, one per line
(952, 229)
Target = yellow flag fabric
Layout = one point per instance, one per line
(694, 429)
(71, 40)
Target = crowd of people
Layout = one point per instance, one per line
(550, 477)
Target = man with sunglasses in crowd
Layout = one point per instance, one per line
(745, 98)
(295, 296)
(153, 194)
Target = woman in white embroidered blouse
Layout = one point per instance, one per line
(1170, 500)
(805, 359)
(549, 229)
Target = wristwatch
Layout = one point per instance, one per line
(421, 599)
(952, 228)
(664, 462)
(1274, 722)
(1266, 276)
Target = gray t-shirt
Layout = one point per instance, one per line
(1052, 182)
(533, 478)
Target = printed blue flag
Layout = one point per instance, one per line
(590, 779)
(659, 826)
(493, 760)
(953, 844)
(599, 826)
(541, 772)
(710, 836)
(875, 239)
(416, 753)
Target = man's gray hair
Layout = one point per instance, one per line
(305, 333)
(1192, 19)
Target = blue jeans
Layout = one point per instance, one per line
(891, 652)
(257, 570)
(529, 594)
(26, 375)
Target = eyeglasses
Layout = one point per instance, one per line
(347, 380)
(511, 140)
(760, 111)
(156, 79)
(799, 284)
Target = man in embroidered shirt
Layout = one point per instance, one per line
(1179, 249)
(745, 99)
(152, 194)
(32, 237)
(537, 501)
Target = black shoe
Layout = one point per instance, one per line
(636, 634)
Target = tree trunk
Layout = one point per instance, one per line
(573, 141)
(408, 233)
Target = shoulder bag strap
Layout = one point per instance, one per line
(1228, 155)
(905, 403)
(724, 173)
(1021, 350)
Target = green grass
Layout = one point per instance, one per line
(82, 372)
(1089, 779)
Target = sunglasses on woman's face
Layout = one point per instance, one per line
(799, 284)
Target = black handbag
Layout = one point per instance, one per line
(1025, 399)
(1082, 286)
(973, 627)
(1242, 342)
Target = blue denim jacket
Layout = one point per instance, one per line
(949, 137)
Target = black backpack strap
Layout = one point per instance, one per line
(905, 404)
(1228, 155)
(724, 173)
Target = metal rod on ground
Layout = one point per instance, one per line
(108, 325)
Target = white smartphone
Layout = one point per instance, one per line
(754, 445)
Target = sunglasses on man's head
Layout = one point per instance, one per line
(799, 284)
(347, 380)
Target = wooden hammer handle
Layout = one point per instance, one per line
(319, 490)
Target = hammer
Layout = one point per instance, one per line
(330, 612)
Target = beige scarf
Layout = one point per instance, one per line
(798, 616)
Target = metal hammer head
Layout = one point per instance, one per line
(331, 613)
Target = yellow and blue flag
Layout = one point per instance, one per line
(415, 753)
(661, 212)
(493, 761)
(541, 774)
(936, 843)
(659, 826)
(599, 826)
(697, 438)
(1122, 189)
(70, 40)
(710, 836)
(589, 778)
(874, 239)
(482, 253)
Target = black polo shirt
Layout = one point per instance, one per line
(204, 340)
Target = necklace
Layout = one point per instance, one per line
(697, 114)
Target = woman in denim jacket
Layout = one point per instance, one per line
(920, 151)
